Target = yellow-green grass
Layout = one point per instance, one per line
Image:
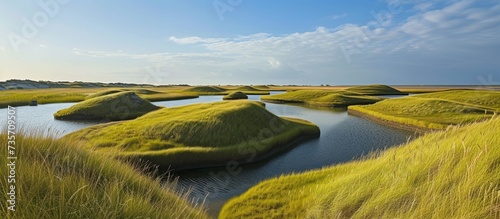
(56, 95)
(117, 106)
(375, 89)
(322, 98)
(205, 89)
(480, 98)
(113, 91)
(56, 179)
(23, 97)
(198, 135)
(433, 111)
(238, 95)
(446, 174)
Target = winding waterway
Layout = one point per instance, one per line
(343, 138)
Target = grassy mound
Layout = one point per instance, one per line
(55, 179)
(235, 96)
(114, 91)
(434, 111)
(246, 88)
(261, 87)
(119, 106)
(375, 89)
(205, 89)
(322, 98)
(198, 135)
(448, 174)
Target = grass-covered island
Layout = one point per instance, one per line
(198, 135)
(433, 111)
(56, 179)
(445, 174)
(321, 98)
(115, 106)
(238, 95)
(216, 90)
(358, 95)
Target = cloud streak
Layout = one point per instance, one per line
(446, 37)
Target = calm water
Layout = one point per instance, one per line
(343, 138)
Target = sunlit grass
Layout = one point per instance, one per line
(436, 110)
(447, 174)
(56, 179)
(197, 135)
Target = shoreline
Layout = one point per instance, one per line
(224, 163)
(393, 124)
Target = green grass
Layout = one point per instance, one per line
(446, 174)
(205, 89)
(197, 135)
(375, 89)
(55, 179)
(43, 96)
(235, 96)
(116, 106)
(436, 110)
(322, 98)
(113, 91)
(63, 95)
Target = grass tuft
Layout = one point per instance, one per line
(55, 179)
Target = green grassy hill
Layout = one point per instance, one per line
(447, 174)
(114, 91)
(235, 96)
(118, 106)
(375, 89)
(198, 135)
(322, 98)
(205, 89)
(55, 179)
(434, 111)
(246, 88)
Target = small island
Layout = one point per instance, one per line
(198, 135)
(238, 95)
(114, 106)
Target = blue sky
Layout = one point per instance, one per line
(252, 42)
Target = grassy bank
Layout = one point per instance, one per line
(435, 110)
(447, 174)
(197, 135)
(116, 106)
(375, 89)
(55, 179)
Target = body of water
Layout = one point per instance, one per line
(343, 138)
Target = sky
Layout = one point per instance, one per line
(284, 42)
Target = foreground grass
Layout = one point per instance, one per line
(436, 110)
(55, 179)
(447, 174)
(322, 98)
(116, 106)
(197, 135)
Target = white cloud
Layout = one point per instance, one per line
(338, 16)
(42, 46)
(193, 40)
(454, 38)
(2, 48)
